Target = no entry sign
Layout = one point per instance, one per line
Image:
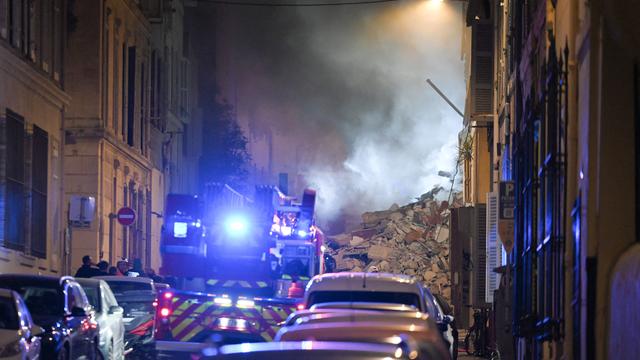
(126, 216)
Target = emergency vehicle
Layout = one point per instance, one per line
(237, 266)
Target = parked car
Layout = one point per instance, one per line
(19, 336)
(312, 350)
(138, 297)
(365, 287)
(108, 315)
(366, 326)
(60, 306)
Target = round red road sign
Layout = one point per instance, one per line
(126, 216)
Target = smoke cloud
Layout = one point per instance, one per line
(345, 88)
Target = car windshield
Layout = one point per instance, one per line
(93, 296)
(124, 287)
(40, 300)
(319, 297)
(8, 314)
(136, 308)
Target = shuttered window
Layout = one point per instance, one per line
(40, 174)
(13, 181)
(493, 247)
(482, 68)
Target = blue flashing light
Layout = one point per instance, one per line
(236, 226)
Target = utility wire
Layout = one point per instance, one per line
(296, 4)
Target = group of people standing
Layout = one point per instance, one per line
(122, 268)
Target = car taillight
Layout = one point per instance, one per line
(168, 295)
(164, 312)
(155, 303)
(300, 307)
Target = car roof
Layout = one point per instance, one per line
(124, 279)
(340, 311)
(359, 316)
(357, 331)
(91, 282)
(279, 348)
(35, 279)
(363, 305)
(360, 281)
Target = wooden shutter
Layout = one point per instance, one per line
(482, 68)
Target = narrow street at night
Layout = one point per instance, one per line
(319, 179)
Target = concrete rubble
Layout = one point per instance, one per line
(412, 239)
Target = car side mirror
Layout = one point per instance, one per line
(115, 309)
(37, 330)
(78, 311)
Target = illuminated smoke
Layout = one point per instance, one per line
(343, 88)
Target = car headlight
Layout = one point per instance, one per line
(10, 349)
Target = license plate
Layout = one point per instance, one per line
(127, 320)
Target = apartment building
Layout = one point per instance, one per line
(33, 101)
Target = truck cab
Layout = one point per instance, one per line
(238, 266)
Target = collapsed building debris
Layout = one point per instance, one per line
(411, 239)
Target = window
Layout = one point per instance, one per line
(131, 95)
(33, 30)
(16, 9)
(58, 40)
(93, 295)
(4, 19)
(143, 107)
(116, 84)
(8, 314)
(185, 140)
(320, 297)
(107, 297)
(184, 87)
(120, 288)
(45, 33)
(75, 299)
(123, 126)
(41, 300)
(40, 174)
(153, 90)
(13, 138)
(26, 319)
(106, 47)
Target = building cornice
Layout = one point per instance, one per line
(25, 73)
(98, 134)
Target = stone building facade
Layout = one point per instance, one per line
(33, 102)
(565, 130)
(126, 126)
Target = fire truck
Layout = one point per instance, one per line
(237, 266)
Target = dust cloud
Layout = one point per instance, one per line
(344, 88)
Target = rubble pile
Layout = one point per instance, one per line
(412, 240)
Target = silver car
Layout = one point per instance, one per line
(19, 336)
(108, 316)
